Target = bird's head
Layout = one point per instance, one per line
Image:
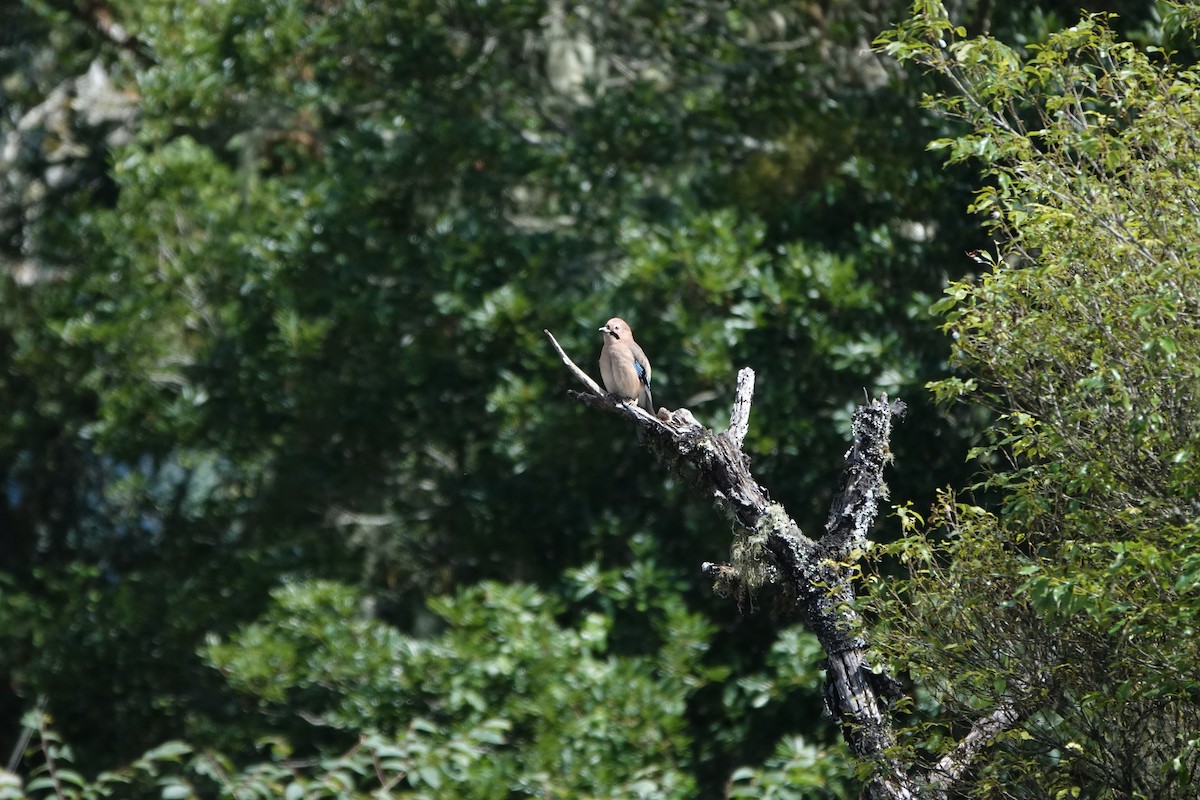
(616, 328)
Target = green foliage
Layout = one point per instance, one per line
(420, 762)
(283, 321)
(282, 324)
(797, 770)
(579, 718)
(505, 701)
(1074, 599)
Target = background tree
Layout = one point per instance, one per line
(276, 277)
(1070, 606)
(290, 328)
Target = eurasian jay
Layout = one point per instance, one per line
(624, 368)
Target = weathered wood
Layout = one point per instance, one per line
(815, 577)
(739, 418)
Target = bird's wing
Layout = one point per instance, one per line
(641, 364)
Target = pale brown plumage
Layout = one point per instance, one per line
(624, 368)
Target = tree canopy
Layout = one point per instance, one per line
(294, 502)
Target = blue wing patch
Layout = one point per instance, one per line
(641, 372)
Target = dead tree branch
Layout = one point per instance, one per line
(739, 418)
(951, 767)
(770, 553)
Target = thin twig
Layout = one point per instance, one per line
(46, 754)
(26, 734)
(583, 377)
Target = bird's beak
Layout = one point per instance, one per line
(605, 329)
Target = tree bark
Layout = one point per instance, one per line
(814, 578)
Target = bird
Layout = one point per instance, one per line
(624, 367)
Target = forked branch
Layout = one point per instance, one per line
(813, 578)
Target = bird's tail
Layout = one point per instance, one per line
(646, 401)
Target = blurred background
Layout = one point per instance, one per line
(285, 457)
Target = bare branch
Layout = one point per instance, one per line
(18, 750)
(853, 510)
(583, 377)
(739, 419)
(951, 767)
(770, 553)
